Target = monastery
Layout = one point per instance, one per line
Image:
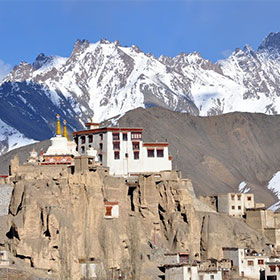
(122, 150)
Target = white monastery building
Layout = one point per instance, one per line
(122, 149)
(235, 204)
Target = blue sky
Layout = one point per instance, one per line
(213, 28)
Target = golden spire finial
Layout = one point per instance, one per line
(58, 128)
(65, 130)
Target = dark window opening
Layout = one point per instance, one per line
(124, 136)
(117, 155)
(83, 149)
(249, 198)
(116, 136)
(151, 153)
(135, 146)
(100, 157)
(239, 207)
(160, 153)
(116, 146)
(101, 136)
(101, 146)
(83, 139)
(126, 155)
(136, 155)
(90, 138)
(184, 258)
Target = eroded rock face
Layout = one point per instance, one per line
(57, 223)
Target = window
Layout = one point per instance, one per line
(260, 262)
(272, 268)
(101, 146)
(239, 207)
(250, 263)
(232, 207)
(239, 197)
(116, 155)
(151, 153)
(232, 197)
(212, 276)
(83, 139)
(160, 153)
(101, 136)
(124, 136)
(108, 211)
(90, 138)
(83, 149)
(116, 146)
(184, 258)
(116, 136)
(136, 135)
(126, 155)
(249, 198)
(100, 157)
(135, 145)
(136, 155)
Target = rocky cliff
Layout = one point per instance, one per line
(56, 223)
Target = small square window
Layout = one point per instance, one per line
(239, 207)
(116, 136)
(135, 146)
(249, 198)
(232, 197)
(160, 153)
(126, 155)
(239, 197)
(151, 153)
(232, 207)
(212, 277)
(101, 136)
(250, 263)
(116, 146)
(90, 138)
(260, 261)
(272, 268)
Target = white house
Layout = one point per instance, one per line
(235, 204)
(249, 263)
(122, 149)
(272, 270)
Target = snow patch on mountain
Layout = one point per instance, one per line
(274, 184)
(242, 188)
(11, 138)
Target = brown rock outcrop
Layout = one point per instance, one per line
(56, 224)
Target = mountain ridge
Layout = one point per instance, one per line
(105, 79)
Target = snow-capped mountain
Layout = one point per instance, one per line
(104, 79)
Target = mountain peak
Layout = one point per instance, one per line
(271, 42)
(40, 60)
